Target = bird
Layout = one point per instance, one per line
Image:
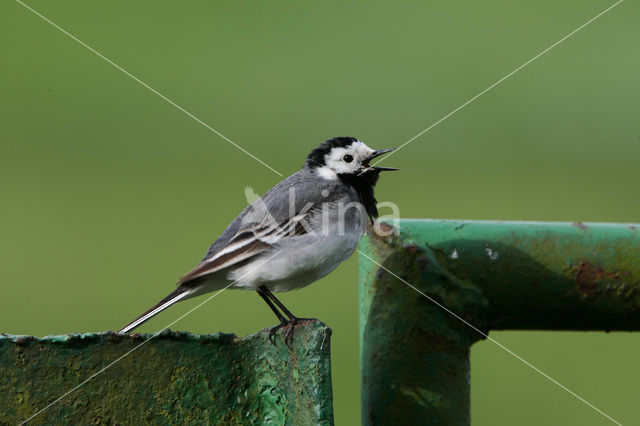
(296, 233)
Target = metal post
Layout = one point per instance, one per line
(495, 276)
(174, 378)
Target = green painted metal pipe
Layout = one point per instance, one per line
(175, 378)
(494, 275)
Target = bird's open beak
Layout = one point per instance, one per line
(374, 154)
(378, 153)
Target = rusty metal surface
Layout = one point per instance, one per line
(495, 275)
(175, 378)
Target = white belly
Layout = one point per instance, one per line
(297, 262)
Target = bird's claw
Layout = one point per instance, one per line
(272, 332)
(289, 328)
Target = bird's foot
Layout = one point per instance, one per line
(272, 332)
(289, 327)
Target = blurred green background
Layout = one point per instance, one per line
(109, 193)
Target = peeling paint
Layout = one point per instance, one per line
(493, 255)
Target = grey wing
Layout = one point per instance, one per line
(300, 193)
(245, 244)
(280, 213)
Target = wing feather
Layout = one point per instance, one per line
(225, 260)
(246, 243)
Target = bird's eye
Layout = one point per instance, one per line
(348, 158)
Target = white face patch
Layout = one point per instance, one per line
(337, 160)
(326, 173)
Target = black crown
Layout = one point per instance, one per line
(316, 157)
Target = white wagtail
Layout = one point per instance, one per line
(295, 234)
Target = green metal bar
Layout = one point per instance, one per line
(495, 276)
(175, 378)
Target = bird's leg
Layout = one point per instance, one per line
(287, 312)
(292, 321)
(283, 320)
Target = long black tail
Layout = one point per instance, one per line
(175, 296)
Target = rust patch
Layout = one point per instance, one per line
(586, 277)
(385, 227)
(590, 279)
